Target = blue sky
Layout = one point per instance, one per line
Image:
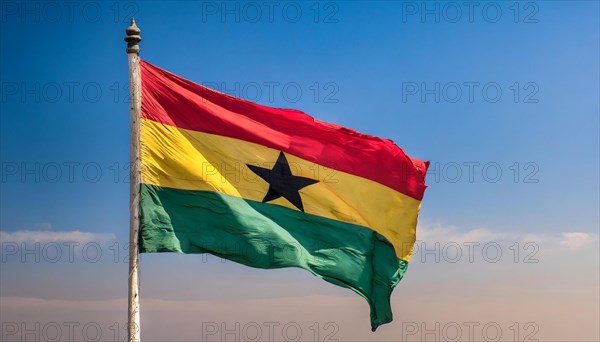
(364, 65)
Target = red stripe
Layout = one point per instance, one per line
(172, 100)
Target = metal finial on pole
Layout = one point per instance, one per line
(133, 319)
(133, 38)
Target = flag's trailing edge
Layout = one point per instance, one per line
(272, 188)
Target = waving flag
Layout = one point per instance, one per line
(271, 188)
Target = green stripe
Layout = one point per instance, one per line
(264, 235)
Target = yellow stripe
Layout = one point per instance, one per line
(189, 160)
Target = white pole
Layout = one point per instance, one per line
(133, 49)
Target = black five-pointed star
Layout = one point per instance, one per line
(282, 183)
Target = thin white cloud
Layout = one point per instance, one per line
(573, 241)
(576, 241)
(45, 236)
(453, 234)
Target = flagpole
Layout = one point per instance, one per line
(133, 50)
